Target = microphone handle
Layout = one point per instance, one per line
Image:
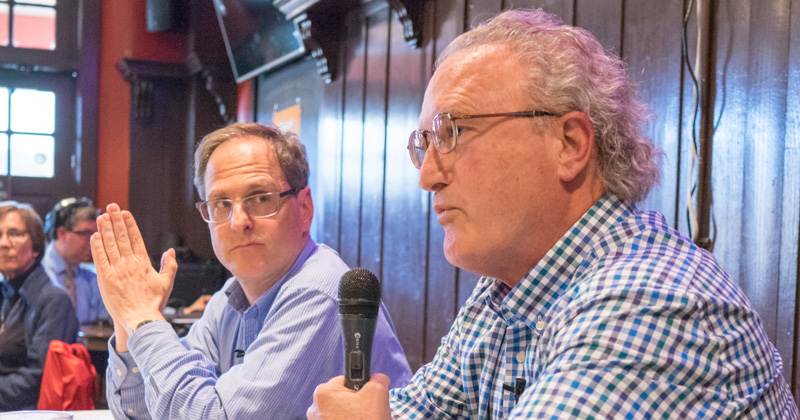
(358, 331)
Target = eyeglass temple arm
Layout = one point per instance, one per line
(529, 114)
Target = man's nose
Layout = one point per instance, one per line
(240, 219)
(432, 174)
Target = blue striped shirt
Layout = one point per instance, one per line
(89, 303)
(248, 362)
(623, 318)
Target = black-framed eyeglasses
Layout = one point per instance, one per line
(259, 206)
(86, 233)
(14, 235)
(444, 131)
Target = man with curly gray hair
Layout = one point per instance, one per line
(531, 141)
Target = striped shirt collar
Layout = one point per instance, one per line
(529, 300)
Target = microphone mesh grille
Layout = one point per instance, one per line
(360, 283)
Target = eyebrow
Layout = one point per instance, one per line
(250, 191)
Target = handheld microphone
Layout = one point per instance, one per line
(359, 300)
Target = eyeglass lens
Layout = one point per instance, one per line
(13, 234)
(443, 130)
(261, 205)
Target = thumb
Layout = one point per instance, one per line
(169, 265)
(382, 379)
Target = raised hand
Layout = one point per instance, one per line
(132, 290)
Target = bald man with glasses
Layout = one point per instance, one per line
(272, 333)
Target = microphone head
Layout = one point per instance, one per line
(360, 284)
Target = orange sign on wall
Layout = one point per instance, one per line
(288, 119)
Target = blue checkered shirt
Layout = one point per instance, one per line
(623, 318)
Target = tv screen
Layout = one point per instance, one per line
(257, 36)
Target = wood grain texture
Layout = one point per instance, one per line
(352, 140)
(603, 18)
(327, 201)
(730, 135)
(406, 205)
(373, 175)
(563, 8)
(651, 41)
(764, 149)
(786, 341)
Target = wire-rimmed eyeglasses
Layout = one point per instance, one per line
(14, 235)
(445, 132)
(259, 206)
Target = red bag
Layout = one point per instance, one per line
(70, 380)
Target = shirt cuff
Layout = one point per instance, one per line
(153, 343)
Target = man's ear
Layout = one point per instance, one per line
(60, 232)
(577, 147)
(306, 208)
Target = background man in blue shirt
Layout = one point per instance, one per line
(531, 141)
(271, 333)
(70, 225)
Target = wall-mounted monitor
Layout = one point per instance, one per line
(257, 36)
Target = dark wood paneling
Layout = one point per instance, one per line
(374, 141)
(764, 148)
(352, 140)
(479, 11)
(406, 205)
(786, 340)
(651, 41)
(730, 136)
(327, 204)
(155, 191)
(603, 18)
(563, 8)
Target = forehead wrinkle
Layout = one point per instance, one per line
(466, 83)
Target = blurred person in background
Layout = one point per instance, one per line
(70, 225)
(34, 310)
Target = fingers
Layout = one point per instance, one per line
(120, 230)
(100, 259)
(338, 380)
(135, 235)
(109, 241)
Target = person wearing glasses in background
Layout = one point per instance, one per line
(70, 225)
(34, 310)
(272, 333)
(531, 141)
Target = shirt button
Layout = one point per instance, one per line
(130, 410)
(119, 372)
(135, 370)
(521, 357)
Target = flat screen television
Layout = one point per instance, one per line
(257, 36)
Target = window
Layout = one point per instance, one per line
(28, 24)
(26, 132)
(40, 147)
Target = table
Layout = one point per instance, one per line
(92, 415)
(95, 337)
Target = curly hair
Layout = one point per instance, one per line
(570, 71)
(290, 152)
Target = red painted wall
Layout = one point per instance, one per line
(124, 34)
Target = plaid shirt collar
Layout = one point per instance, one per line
(529, 299)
